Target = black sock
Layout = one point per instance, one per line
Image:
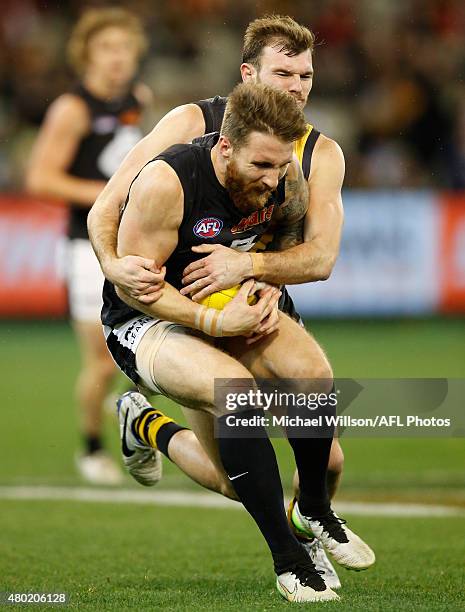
(92, 444)
(164, 435)
(311, 457)
(250, 463)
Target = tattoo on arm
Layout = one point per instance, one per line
(290, 221)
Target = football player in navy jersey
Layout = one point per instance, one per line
(277, 51)
(85, 135)
(182, 196)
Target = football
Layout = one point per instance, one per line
(219, 299)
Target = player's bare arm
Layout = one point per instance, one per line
(314, 259)
(138, 276)
(301, 262)
(290, 217)
(149, 229)
(65, 125)
(289, 232)
(325, 217)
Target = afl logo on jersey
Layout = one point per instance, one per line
(208, 227)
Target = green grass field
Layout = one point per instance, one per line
(110, 556)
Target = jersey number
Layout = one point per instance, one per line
(126, 137)
(244, 244)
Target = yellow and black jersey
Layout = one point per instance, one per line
(213, 111)
(303, 149)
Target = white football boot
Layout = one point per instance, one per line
(323, 565)
(143, 462)
(315, 551)
(302, 583)
(347, 548)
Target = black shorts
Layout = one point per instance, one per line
(286, 305)
(123, 340)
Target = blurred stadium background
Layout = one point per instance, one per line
(389, 88)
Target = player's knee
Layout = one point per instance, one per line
(321, 375)
(240, 381)
(304, 365)
(319, 369)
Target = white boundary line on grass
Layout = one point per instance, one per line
(205, 500)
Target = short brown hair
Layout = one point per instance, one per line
(275, 31)
(253, 107)
(93, 21)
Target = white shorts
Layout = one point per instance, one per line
(85, 281)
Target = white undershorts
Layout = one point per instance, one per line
(134, 345)
(85, 281)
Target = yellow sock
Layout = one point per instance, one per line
(149, 425)
(154, 427)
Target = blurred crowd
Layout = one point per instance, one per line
(388, 76)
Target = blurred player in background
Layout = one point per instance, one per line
(84, 137)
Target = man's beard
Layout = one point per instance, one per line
(247, 197)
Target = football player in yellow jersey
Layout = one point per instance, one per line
(277, 52)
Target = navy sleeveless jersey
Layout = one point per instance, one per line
(209, 217)
(213, 112)
(114, 130)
